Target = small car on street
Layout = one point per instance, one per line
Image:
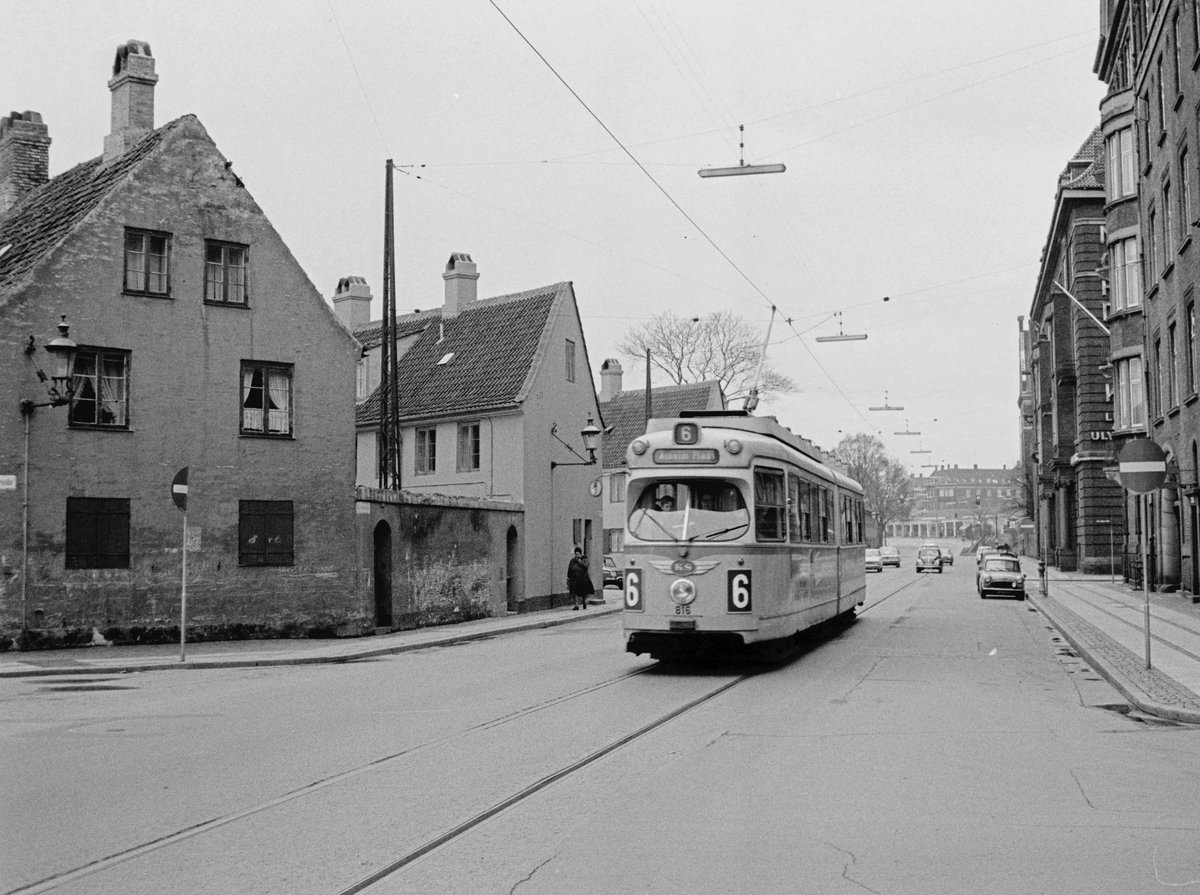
(929, 559)
(890, 556)
(873, 561)
(947, 556)
(613, 576)
(1000, 573)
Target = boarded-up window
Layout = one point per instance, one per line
(265, 533)
(97, 533)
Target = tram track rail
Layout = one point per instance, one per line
(194, 831)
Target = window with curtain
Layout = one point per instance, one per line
(101, 386)
(225, 273)
(468, 447)
(266, 398)
(147, 262)
(1126, 284)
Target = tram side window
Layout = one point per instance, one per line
(824, 522)
(847, 521)
(795, 509)
(770, 505)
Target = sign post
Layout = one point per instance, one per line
(179, 493)
(1142, 468)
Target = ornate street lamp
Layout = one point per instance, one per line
(61, 390)
(591, 441)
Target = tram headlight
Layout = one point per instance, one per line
(639, 447)
(733, 446)
(683, 591)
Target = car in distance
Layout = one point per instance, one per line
(873, 561)
(890, 556)
(947, 556)
(1000, 573)
(613, 576)
(929, 559)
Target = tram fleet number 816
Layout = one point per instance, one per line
(737, 536)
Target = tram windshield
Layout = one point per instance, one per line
(689, 510)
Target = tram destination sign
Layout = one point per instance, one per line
(1142, 466)
(686, 456)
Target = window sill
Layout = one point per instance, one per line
(96, 427)
(270, 436)
(1191, 399)
(1158, 422)
(134, 293)
(1183, 246)
(1168, 270)
(1173, 412)
(1178, 101)
(242, 306)
(1196, 62)
(1153, 293)
(1162, 137)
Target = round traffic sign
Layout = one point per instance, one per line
(1142, 465)
(179, 489)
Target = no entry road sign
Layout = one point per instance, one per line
(179, 489)
(1142, 466)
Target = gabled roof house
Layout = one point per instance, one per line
(493, 395)
(201, 345)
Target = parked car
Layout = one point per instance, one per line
(874, 562)
(890, 556)
(1000, 573)
(613, 576)
(947, 556)
(929, 559)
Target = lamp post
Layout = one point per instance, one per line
(60, 391)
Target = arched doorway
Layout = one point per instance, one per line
(383, 575)
(512, 570)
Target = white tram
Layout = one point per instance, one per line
(736, 535)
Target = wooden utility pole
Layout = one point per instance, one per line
(389, 409)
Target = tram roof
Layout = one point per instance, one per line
(766, 426)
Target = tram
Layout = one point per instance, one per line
(737, 538)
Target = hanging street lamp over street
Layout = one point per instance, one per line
(842, 336)
(907, 431)
(886, 405)
(742, 167)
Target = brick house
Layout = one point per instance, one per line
(202, 344)
(493, 395)
(625, 414)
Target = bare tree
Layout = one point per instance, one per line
(720, 346)
(886, 489)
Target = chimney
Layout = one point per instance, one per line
(461, 284)
(610, 379)
(352, 302)
(132, 88)
(24, 156)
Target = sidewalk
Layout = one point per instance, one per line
(259, 653)
(1105, 622)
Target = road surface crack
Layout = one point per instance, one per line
(527, 878)
(849, 864)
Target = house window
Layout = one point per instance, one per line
(1191, 348)
(265, 533)
(1168, 223)
(570, 361)
(1156, 393)
(1185, 195)
(361, 384)
(147, 262)
(1131, 396)
(426, 451)
(225, 273)
(468, 447)
(616, 487)
(1172, 367)
(1152, 249)
(1126, 285)
(97, 533)
(1175, 53)
(266, 398)
(1162, 96)
(101, 385)
(1120, 177)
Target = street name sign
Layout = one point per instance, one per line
(1142, 466)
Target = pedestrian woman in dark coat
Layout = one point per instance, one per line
(579, 581)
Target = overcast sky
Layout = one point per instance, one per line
(923, 141)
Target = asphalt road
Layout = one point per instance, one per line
(940, 744)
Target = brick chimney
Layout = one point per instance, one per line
(461, 284)
(132, 88)
(610, 379)
(24, 156)
(352, 302)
